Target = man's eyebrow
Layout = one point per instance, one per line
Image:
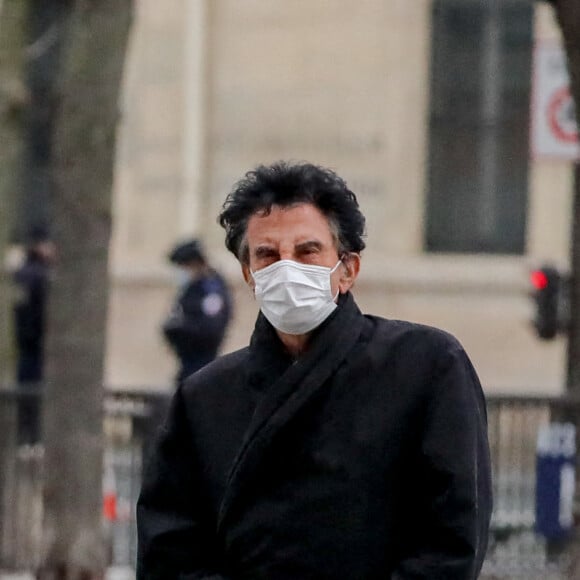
(263, 251)
(308, 245)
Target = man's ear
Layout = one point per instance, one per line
(349, 272)
(248, 275)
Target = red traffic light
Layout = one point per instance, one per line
(539, 279)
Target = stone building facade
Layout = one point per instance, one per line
(215, 87)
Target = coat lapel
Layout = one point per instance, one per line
(282, 399)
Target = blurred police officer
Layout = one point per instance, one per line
(31, 280)
(197, 323)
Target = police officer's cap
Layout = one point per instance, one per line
(186, 252)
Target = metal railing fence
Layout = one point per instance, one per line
(131, 419)
(515, 550)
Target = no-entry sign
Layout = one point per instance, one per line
(554, 127)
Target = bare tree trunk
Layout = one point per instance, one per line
(83, 170)
(12, 101)
(13, 98)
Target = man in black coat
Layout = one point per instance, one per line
(197, 323)
(336, 445)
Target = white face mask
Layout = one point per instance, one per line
(294, 297)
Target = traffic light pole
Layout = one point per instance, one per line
(573, 354)
(567, 13)
(573, 370)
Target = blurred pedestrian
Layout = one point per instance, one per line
(197, 323)
(336, 445)
(31, 281)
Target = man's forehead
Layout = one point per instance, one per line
(299, 228)
(268, 237)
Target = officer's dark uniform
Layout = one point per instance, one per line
(31, 281)
(198, 320)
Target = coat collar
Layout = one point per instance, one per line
(268, 357)
(288, 385)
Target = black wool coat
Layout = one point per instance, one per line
(365, 458)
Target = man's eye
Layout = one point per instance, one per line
(265, 254)
(263, 260)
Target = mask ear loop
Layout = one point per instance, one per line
(340, 261)
(341, 258)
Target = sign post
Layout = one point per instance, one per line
(554, 127)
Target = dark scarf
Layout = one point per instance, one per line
(285, 384)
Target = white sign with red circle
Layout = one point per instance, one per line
(554, 127)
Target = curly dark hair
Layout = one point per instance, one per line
(285, 184)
